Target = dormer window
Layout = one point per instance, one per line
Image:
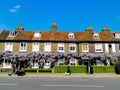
(13, 33)
(117, 35)
(95, 35)
(71, 35)
(37, 34)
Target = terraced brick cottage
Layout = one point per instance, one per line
(53, 41)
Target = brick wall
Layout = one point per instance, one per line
(54, 47)
(2, 46)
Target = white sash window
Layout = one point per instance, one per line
(23, 46)
(6, 63)
(35, 64)
(85, 47)
(72, 61)
(35, 46)
(47, 46)
(61, 61)
(8, 46)
(72, 47)
(60, 47)
(98, 47)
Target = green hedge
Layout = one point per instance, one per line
(117, 67)
(82, 69)
(38, 70)
(103, 69)
(74, 69)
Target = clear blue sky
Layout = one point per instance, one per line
(70, 15)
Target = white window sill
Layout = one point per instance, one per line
(85, 51)
(98, 51)
(60, 51)
(72, 51)
(22, 50)
(7, 67)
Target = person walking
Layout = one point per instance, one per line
(68, 69)
(14, 70)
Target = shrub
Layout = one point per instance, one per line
(117, 67)
(38, 70)
(103, 69)
(82, 69)
(74, 69)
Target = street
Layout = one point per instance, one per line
(58, 83)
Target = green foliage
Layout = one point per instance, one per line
(38, 70)
(82, 69)
(117, 67)
(74, 69)
(103, 69)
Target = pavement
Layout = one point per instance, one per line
(59, 75)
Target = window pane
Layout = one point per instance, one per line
(23, 46)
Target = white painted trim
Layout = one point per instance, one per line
(5, 65)
(113, 47)
(10, 46)
(72, 45)
(35, 46)
(60, 45)
(87, 47)
(25, 48)
(98, 47)
(48, 47)
(36, 65)
(106, 48)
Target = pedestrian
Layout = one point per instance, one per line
(68, 69)
(14, 70)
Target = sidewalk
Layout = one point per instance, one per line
(81, 75)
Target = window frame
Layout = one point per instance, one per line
(96, 47)
(71, 45)
(71, 35)
(7, 65)
(47, 64)
(61, 61)
(46, 46)
(24, 47)
(87, 47)
(95, 35)
(13, 34)
(117, 35)
(10, 47)
(35, 64)
(37, 34)
(61, 45)
(34, 45)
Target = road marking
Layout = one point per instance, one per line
(7, 84)
(82, 86)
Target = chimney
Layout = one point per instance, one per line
(89, 28)
(54, 26)
(105, 28)
(19, 28)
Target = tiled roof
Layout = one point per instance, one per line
(4, 34)
(57, 36)
(106, 36)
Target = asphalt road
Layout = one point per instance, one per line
(57, 83)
